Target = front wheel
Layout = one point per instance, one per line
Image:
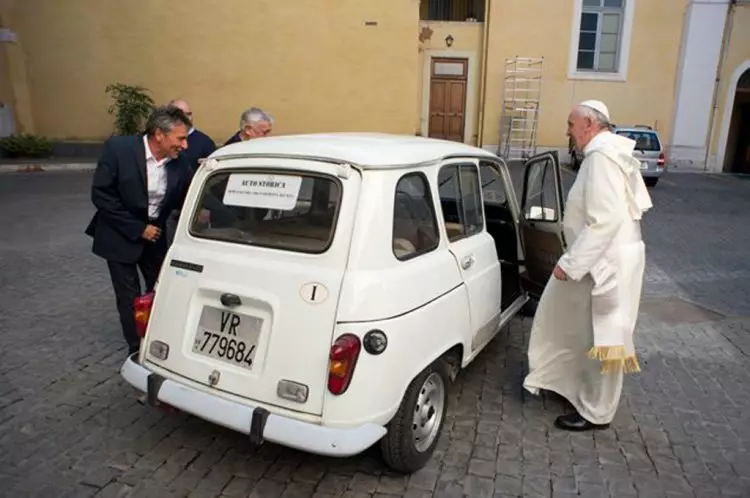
(414, 431)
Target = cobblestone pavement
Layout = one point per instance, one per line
(69, 426)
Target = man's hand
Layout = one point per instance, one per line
(559, 273)
(151, 233)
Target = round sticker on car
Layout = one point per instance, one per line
(314, 292)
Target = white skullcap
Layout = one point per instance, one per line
(597, 106)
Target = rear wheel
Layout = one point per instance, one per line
(651, 181)
(414, 431)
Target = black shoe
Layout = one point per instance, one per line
(574, 422)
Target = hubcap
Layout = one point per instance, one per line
(428, 412)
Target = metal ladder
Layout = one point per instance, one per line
(522, 92)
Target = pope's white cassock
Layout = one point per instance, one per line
(581, 340)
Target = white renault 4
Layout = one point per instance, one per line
(322, 291)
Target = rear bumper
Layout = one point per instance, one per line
(256, 422)
(652, 172)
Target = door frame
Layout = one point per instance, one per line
(551, 226)
(470, 109)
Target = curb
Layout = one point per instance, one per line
(41, 167)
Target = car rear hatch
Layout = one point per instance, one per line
(247, 298)
(648, 148)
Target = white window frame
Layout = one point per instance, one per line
(623, 51)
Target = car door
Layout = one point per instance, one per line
(541, 218)
(460, 193)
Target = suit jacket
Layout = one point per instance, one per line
(234, 139)
(200, 145)
(118, 191)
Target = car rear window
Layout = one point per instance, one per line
(644, 140)
(289, 211)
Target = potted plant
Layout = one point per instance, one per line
(132, 105)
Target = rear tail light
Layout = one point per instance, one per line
(342, 360)
(142, 306)
(660, 161)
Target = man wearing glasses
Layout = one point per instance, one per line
(254, 123)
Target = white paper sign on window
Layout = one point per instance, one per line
(262, 191)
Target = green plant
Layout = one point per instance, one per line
(131, 107)
(26, 145)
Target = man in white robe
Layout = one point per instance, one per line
(581, 340)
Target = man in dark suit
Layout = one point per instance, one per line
(254, 123)
(200, 145)
(137, 183)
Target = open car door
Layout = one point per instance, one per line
(541, 220)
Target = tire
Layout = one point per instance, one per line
(651, 181)
(529, 309)
(398, 447)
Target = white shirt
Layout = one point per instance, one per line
(156, 181)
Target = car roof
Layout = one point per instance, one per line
(365, 150)
(643, 129)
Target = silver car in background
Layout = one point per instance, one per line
(648, 149)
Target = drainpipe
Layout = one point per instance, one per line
(720, 67)
(483, 77)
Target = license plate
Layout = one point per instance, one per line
(644, 165)
(227, 336)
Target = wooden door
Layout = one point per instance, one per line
(448, 99)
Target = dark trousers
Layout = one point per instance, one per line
(127, 286)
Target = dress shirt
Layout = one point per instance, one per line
(156, 181)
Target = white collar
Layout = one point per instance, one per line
(595, 142)
(191, 130)
(150, 155)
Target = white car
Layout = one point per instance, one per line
(322, 291)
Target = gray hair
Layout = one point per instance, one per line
(253, 115)
(594, 115)
(165, 118)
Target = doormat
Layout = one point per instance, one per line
(675, 311)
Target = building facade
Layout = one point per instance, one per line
(429, 67)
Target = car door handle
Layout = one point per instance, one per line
(467, 262)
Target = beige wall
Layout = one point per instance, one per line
(467, 43)
(542, 28)
(737, 56)
(315, 66)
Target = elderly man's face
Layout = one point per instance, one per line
(184, 107)
(581, 129)
(257, 129)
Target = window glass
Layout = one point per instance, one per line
(540, 201)
(646, 141)
(295, 212)
(493, 186)
(415, 229)
(599, 36)
(471, 195)
(461, 200)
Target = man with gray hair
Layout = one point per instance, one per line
(254, 123)
(137, 183)
(581, 341)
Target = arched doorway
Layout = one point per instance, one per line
(737, 152)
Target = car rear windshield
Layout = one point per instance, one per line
(644, 140)
(289, 211)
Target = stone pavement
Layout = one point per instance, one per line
(69, 426)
